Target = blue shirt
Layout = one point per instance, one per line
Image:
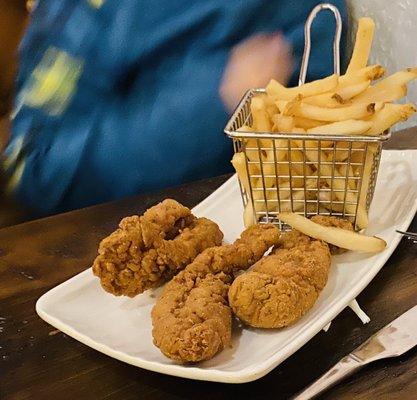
(119, 97)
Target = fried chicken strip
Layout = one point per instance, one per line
(192, 320)
(283, 286)
(147, 251)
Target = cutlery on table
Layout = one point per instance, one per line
(393, 340)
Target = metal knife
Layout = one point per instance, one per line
(393, 340)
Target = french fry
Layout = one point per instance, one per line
(295, 204)
(363, 43)
(261, 121)
(345, 93)
(338, 237)
(384, 94)
(398, 79)
(369, 73)
(306, 123)
(248, 215)
(347, 127)
(391, 88)
(298, 159)
(390, 115)
(279, 92)
(239, 164)
(269, 105)
(338, 184)
(340, 97)
(271, 110)
(245, 128)
(342, 150)
(323, 100)
(283, 123)
(259, 203)
(355, 111)
(329, 204)
(347, 168)
(366, 177)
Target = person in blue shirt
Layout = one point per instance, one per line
(120, 97)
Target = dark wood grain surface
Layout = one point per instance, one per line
(38, 362)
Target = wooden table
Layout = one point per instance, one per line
(38, 362)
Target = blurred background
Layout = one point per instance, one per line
(394, 47)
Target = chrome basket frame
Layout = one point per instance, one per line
(308, 199)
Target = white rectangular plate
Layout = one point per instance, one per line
(121, 327)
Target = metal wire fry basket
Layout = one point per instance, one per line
(304, 173)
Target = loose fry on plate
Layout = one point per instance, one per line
(355, 111)
(347, 127)
(390, 115)
(280, 92)
(338, 237)
(363, 43)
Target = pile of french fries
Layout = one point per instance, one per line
(350, 105)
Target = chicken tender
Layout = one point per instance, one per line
(147, 251)
(283, 286)
(192, 320)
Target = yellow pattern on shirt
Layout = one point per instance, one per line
(11, 162)
(53, 82)
(96, 3)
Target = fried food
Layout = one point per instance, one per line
(283, 286)
(145, 251)
(347, 105)
(336, 222)
(363, 43)
(343, 238)
(192, 320)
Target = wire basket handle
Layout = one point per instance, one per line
(307, 40)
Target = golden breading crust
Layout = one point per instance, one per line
(192, 319)
(282, 287)
(146, 251)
